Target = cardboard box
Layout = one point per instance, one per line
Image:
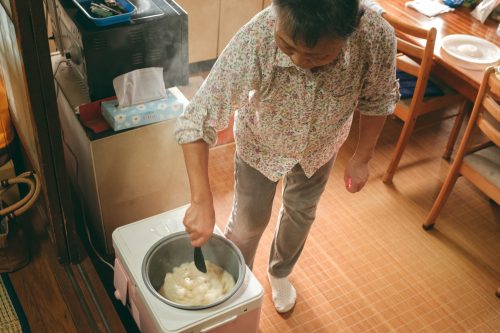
(142, 114)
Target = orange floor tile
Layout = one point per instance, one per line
(368, 266)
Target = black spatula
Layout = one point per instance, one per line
(199, 260)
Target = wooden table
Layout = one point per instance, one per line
(464, 81)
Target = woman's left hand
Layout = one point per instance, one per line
(355, 175)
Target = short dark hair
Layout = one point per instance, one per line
(310, 20)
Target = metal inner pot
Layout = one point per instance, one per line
(176, 249)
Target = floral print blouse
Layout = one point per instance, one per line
(284, 114)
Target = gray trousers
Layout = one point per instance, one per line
(252, 205)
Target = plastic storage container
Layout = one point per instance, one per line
(84, 6)
(453, 3)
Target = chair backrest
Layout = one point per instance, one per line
(486, 112)
(485, 116)
(415, 51)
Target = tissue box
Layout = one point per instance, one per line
(142, 114)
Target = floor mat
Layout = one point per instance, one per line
(12, 317)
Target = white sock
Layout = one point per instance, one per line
(284, 294)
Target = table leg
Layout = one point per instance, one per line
(466, 106)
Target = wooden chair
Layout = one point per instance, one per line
(416, 60)
(480, 164)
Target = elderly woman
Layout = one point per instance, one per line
(293, 76)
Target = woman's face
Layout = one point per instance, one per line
(324, 52)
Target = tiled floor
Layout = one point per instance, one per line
(368, 266)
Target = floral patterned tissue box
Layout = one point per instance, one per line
(142, 114)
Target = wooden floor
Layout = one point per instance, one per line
(367, 265)
(55, 297)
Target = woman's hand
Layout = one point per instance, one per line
(356, 175)
(199, 222)
(356, 172)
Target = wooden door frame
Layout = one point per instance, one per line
(32, 39)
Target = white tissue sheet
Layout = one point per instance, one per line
(428, 7)
(484, 9)
(139, 86)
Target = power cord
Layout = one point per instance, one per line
(68, 64)
(82, 208)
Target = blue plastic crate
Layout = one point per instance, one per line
(84, 6)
